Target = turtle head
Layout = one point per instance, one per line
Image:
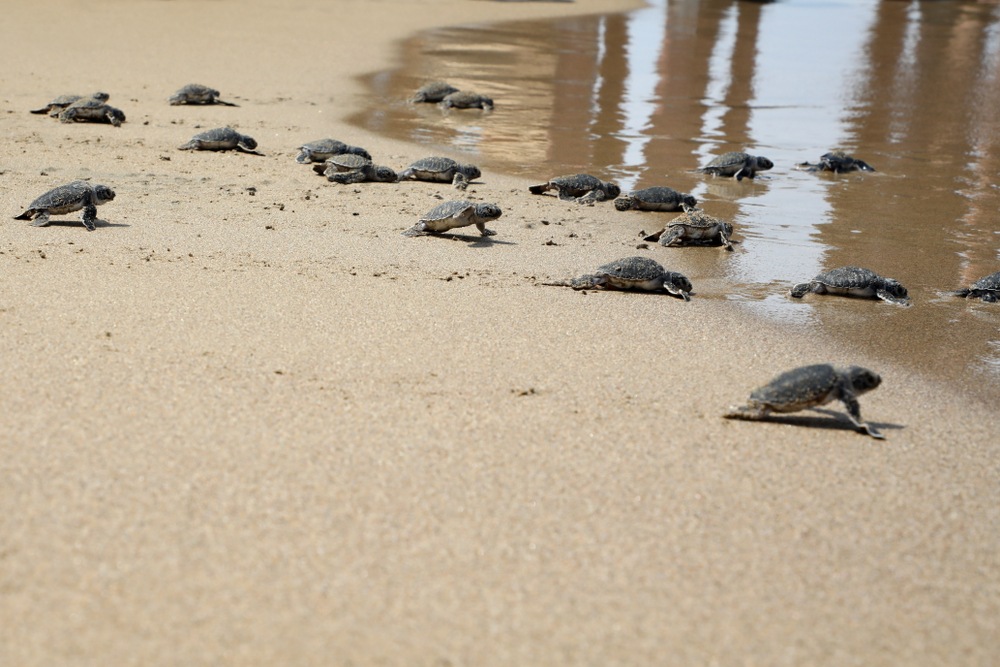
(249, 142)
(895, 289)
(103, 193)
(763, 163)
(471, 171)
(612, 190)
(385, 175)
(101, 97)
(488, 211)
(624, 203)
(863, 379)
(681, 282)
(688, 202)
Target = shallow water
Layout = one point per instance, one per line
(911, 87)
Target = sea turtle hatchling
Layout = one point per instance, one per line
(740, 165)
(454, 214)
(324, 149)
(465, 99)
(987, 289)
(581, 188)
(633, 273)
(66, 199)
(657, 198)
(857, 282)
(348, 168)
(441, 170)
(838, 162)
(220, 139)
(811, 386)
(693, 227)
(92, 109)
(433, 92)
(56, 106)
(195, 93)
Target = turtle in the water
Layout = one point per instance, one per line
(657, 198)
(195, 93)
(454, 214)
(348, 168)
(987, 289)
(810, 386)
(220, 139)
(324, 149)
(441, 170)
(838, 162)
(433, 92)
(581, 188)
(66, 199)
(857, 282)
(693, 227)
(56, 106)
(740, 165)
(465, 99)
(92, 109)
(633, 273)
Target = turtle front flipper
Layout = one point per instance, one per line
(419, 229)
(460, 181)
(587, 282)
(481, 226)
(193, 145)
(113, 118)
(674, 236)
(676, 290)
(303, 157)
(889, 298)
(799, 291)
(67, 116)
(854, 414)
(724, 238)
(989, 297)
(591, 198)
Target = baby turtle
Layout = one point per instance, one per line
(220, 139)
(810, 386)
(441, 170)
(195, 93)
(66, 199)
(324, 149)
(739, 165)
(633, 273)
(838, 162)
(856, 282)
(987, 289)
(694, 228)
(56, 106)
(433, 92)
(92, 109)
(465, 99)
(657, 198)
(581, 188)
(348, 168)
(454, 214)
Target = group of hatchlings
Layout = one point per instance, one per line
(794, 390)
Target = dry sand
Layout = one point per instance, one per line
(266, 429)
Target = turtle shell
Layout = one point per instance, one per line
(990, 282)
(849, 277)
(348, 161)
(633, 269)
(449, 209)
(727, 160)
(333, 147)
(808, 386)
(434, 165)
(434, 92)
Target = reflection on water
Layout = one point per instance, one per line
(911, 87)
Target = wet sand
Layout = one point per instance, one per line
(247, 422)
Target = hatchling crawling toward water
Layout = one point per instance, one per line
(56, 106)
(633, 273)
(581, 188)
(433, 92)
(694, 227)
(66, 199)
(455, 214)
(348, 168)
(220, 139)
(987, 289)
(324, 149)
(92, 109)
(195, 93)
(740, 165)
(465, 99)
(441, 170)
(838, 162)
(811, 386)
(856, 282)
(657, 198)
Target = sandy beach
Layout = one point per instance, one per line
(246, 422)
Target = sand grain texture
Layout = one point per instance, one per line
(260, 427)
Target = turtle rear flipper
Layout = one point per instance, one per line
(42, 220)
(748, 412)
(654, 237)
(889, 298)
(538, 189)
(44, 109)
(26, 215)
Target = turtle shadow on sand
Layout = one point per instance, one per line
(473, 240)
(832, 420)
(98, 223)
